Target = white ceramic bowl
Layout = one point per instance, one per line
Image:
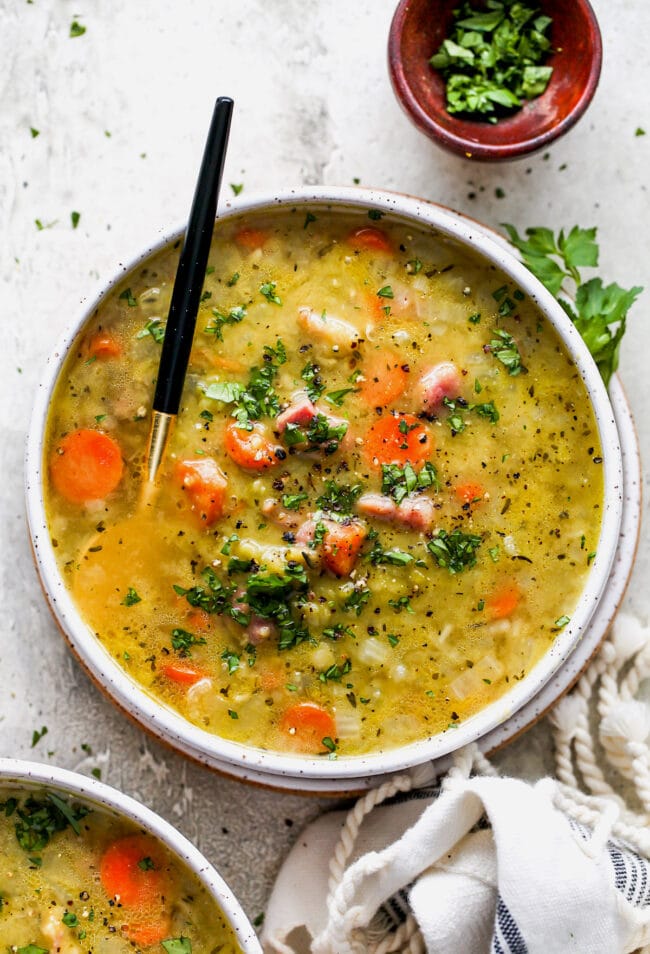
(34, 777)
(300, 772)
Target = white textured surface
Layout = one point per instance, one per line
(313, 105)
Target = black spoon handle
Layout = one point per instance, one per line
(193, 260)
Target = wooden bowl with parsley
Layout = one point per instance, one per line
(495, 80)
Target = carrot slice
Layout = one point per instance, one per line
(183, 675)
(103, 345)
(150, 932)
(385, 379)
(251, 239)
(370, 240)
(132, 871)
(341, 546)
(504, 602)
(471, 492)
(306, 724)
(205, 484)
(398, 439)
(251, 450)
(86, 465)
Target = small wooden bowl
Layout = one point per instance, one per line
(418, 29)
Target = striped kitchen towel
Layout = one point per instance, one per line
(483, 865)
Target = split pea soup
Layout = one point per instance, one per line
(380, 503)
(78, 880)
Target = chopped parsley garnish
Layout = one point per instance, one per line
(237, 187)
(219, 320)
(70, 919)
(213, 598)
(504, 348)
(456, 550)
(337, 397)
(74, 218)
(320, 432)
(128, 298)
(34, 132)
(493, 59)
(76, 29)
(335, 672)
(357, 599)
(37, 736)
(267, 290)
(234, 278)
(393, 639)
(293, 501)
(375, 214)
(309, 218)
(182, 641)
(401, 603)
(398, 482)
(385, 292)
(38, 819)
(231, 659)
(337, 631)
(562, 621)
(31, 949)
(338, 498)
(131, 598)
(314, 384)
(177, 945)
(329, 743)
(392, 557)
(155, 328)
(598, 311)
(258, 398)
(413, 266)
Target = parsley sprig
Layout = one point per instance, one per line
(598, 311)
(258, 397)
(398, 482)
(456, 550)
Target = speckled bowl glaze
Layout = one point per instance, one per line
(290, 771)
(418, 29)
(34, 777)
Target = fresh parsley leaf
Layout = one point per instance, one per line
(74, 218)
(456, 550)
(39, 819)
(357, 599)
(385, 292)
(34, 132)
(267, 290)
(37, 736)
(76, 29)
(311, 376)
(128, 298)
(131, 598)
(293, 501)
(337, 397)
(236, 187)
(70, 919)
(598, 311)
(493, 58)
(504, 348)
(182, 641)
(231, 659)
(398, 481)
(177, 945)
(220, 319)
(338, 498)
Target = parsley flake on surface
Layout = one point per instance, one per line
(237, 187)
(155, 328)
(34, 132)
(74, 218)
(177, 945)
(456, 550)
(76, 29)
(267, 290)
(131, 597)
(505, 349)
(182, 641)
(220, 319)
(38, 735)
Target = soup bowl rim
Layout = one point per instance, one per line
(212, 750)
(35, 776)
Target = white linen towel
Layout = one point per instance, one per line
(533, 882)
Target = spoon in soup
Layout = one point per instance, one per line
(188, 286)
(126, 547)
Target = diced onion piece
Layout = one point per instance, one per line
(372, 652)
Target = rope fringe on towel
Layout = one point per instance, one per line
(582, 792)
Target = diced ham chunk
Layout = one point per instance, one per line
(414, 511)
(301, 411)
(332, 331)
(441, 381)
(273, 510)
(341, 542)
(259, 630)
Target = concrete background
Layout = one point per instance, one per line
(313, 105)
